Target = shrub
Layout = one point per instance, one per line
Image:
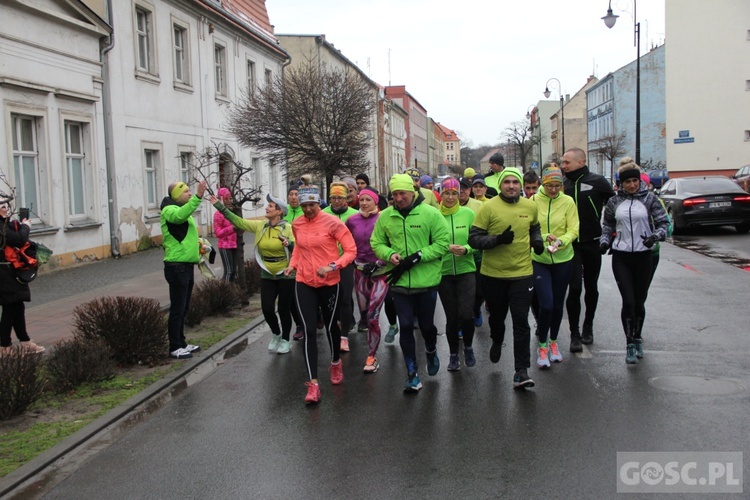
(77, 361)
(133, 327)
(220, 296)
(252, 277)
(198, 308)
(20, 381)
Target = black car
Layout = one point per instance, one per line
(706, 201)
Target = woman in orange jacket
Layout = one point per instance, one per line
(317, 263)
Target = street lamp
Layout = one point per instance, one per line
(609, 20)
(562, 103)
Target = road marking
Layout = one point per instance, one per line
(585, 354)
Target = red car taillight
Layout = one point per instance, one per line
(742, 199)
(693, 201)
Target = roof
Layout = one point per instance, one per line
(250, 16)
(448, 134)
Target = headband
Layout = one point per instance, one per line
(371, 194)
(177, 191)
(632, 173)
(339, 190)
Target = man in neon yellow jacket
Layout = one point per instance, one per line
(413, 237)
(181, 254)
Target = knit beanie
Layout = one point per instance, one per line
(308, 192)
(363, 177)
(450, 184)
(552, 174)
(401, 182)
(511, 171)
(469, 172)
(425, 179)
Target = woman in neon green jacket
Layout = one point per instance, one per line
(459, 276)
(558, 217)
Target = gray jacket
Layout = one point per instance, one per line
(627, 217)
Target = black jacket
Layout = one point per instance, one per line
(591, 192)
(11, 290)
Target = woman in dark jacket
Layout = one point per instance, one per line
(13, 293)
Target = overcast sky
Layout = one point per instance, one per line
(476, 66)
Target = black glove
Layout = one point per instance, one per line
(369, 269)
(538, 247)
(603, 247)
(506, 238)
(411, 260)
(649, 241)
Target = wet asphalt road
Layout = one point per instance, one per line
(244, 432)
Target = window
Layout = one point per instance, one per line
(26, 162)
(220, 69)
(75, 169)
(269, 78)
(181, 54)
(250, 78)
(151, 174)
(747, 135)
(186, 161)
(146, 60)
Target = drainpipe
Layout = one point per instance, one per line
(114, 240)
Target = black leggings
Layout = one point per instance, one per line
(632, 272)
(587, 264)
(390, 308)
(457, 296)
(14, 318)
(270, 289)
(309, 301)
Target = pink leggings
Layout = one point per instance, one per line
(371, 293)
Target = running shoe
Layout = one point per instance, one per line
(454, 365)
(299, 334)
(587, 336)
(274, 344)
(639, 348)
(412, 383)
(344, 344)
(192, 348)
(542, 358)
(433, 363)
(469, 357)
(313, 393)
(521, 380)
(337, 373)
(180, 354)
(284, 347)
(32, 347)
(391, 335)
(362, 327)
(554, 352)
(630, 356)
(371, 365)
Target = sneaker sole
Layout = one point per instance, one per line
(523, 385)
(413, 390)
(371, 370)
(542, 367)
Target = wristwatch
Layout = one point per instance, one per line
(332, 265)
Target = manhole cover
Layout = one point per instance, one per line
(708, 386)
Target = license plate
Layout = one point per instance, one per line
(720, 204)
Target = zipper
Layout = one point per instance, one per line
(453, 240)
(549, 227)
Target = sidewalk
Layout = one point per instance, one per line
(54, 295)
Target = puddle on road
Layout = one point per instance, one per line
(706, 250)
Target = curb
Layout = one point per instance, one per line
(36, 477)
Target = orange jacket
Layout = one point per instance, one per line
(317, 244)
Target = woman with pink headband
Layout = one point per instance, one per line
(369, 280)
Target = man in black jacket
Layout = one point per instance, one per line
(591, 192)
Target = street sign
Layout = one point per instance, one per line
(535, 165)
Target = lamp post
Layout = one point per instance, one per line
(532, 117)
(609, 20)
(562, 103)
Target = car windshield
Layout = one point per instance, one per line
(701, 186)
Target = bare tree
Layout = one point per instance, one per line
(311, 119)
(521, 140)
(218, 167)
(610, 147)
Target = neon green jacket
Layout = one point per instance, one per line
(179, 232)
(423, 229)
(558, 216)
(459, 225)
(292, 213)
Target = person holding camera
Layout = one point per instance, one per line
(13, 292)
(413, 237)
